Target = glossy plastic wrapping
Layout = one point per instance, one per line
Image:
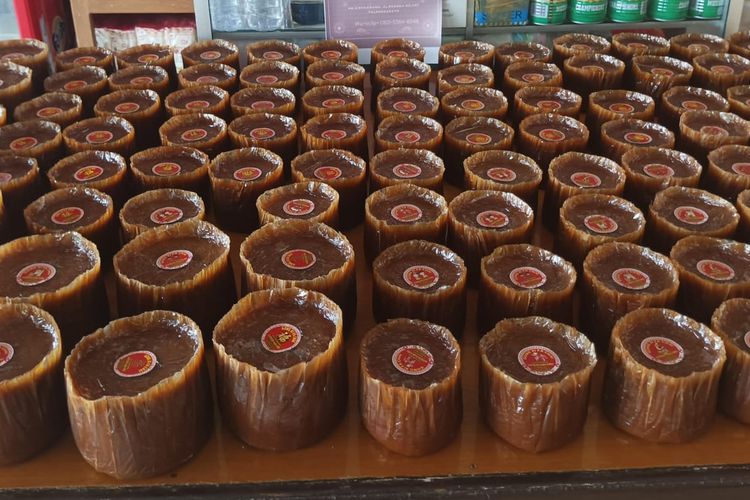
(57, 107)
(276, 133)
(132, 220)
(739, 100)
(79, 306)
(22, 188)
(153, 78)
(396, 47)
(511, 52)
(743, 208)
(275, 74)
(396, 166)
(578, 233)
(325, 132)
(654, 406)
(535, 417)
(155, 431)
(76, 135)
(504, 171)
(466, 51)
(37, 60)
(667, 223)
(738, 43)
(593, 72)
(718, 72)
(141, 108)
(339, 284)
(383, 232)
(32, 404)
(343, 171)
(214, 51)
(679, 99)
(404, 100)
(688, 46)
(608, 105)
(87, 82)
(206, 295)
(626, 45)
(461, 75)
(387, 136)
(653, 75)
(330, 49)
(467, 135)
(729, 322)
(646, 175)
(444, 304)
(614, 141)
(399, 72)
(336, 72)
(85, 56)
(288, 408)
(703, 288)
(191, 176)
(259, 52)
(217, 74)
(332, 99)
(262, 99)
(544, 150)
(211, 127)
(523, 74)
(533, 100)
(410, 418)
(573, 44)
(207, 99)
(134, 56)
(300, 190)
(703, 131)
(474, 101)
(46, 148)
(13, 95)
(500, 298)
(237, 178)
(63, 174)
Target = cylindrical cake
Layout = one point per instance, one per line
(628, 44)
(336, 131)
(620, 136)
(306, 200)
(464, 75)
(58, 107)
(467, 135)
(276, 133)
(573, 44)
(688, 46)
(409, 131)
(337, 72)
(262, 100)
(739, 100)
(397, 72)
(679, 99)
(546, 136)
(653, 75)
(216, 74)
(20, 183)
(274, 50)
(142, 108)
(16, 87)
(703, 131)
(142, 78)
(330, 49)
(85, 56)
(37, 139)
(148, 54)
(158, 208)
(533, 100)
(398, 48)
(728, 172)
(34, 54)
(414, 166)
(332, 99)
(466, 51)
(110, 133)
(474, 101)
(608, 105)
(275, 74)
(405, 100)
(730, 322)
(170, 167)
(524, 74)
(202, 131)
(211, 51)
(87, 82)
(504, 171)
(102, 170)
(511, 52)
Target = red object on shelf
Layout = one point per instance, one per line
(46, 20)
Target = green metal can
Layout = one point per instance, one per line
(706, 9)
(548, 11)
(668, 10)
(627, 11)
(588, 11)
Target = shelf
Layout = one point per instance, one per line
(600, 27)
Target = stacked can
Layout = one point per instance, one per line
(588, 11)
(668, 10)
(548, 11)
(627, 11)
(706, 9)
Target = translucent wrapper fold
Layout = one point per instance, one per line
(85, 56)
(289, 78)
(430, 175)
(129, 437)
(511, 52)
(467, 135)
(653, 75)
(551, 76)
(521, 175)
(739, 100)
(605, 303)
(615, 147)
(383, 233)
(316, 133)
(398, 72)
(234, 200)
(700, 294)
(627, 45)
(132, 56)
(679, 99)
(703, 131)
(183, 102)
(206, 296)
(385, 135)
(337, 72)
(329, 216)
(734, 388)
(651, 405)
(284, 143)
(314, 52)
(123, 145)
(743, 207)
(191, 55)
(593, 72)
(600, 108)
(446, 305)
(544, 151)
(37, 62)
(396, 47)
(93, 78)
(289, 408)
(145, 120)
(499, 300)
(291, 53)
(245, 101)
(70, 108)
(466, 51)
(480, 76)
(222, 76)
(410, 421)
(141, 168)
(462, 102)
(573, 44)
(32, 404)
(431, 103)
(527, 99)
(130, 228)
(353, 100)
(13, 95)
(535, 417)
(212, 144)
(339, 284)
(688, 46)
(574, 242)
(739, 43)
(153, 78)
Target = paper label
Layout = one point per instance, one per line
(600, 224)
(532, 77)
(35, 274)
(99, 137)
(327, 173)
(194, 134)
(501, 174)
(662, 72)
(492, 219)
(406, 212)
(472, 104)
(266, 79)
(551, 135)
(694, 105)
(691, 215)
(88, 173)
(148, 58)
(716, 270)
(135, 364)
(331, 54)
(465, 79)
(198, 104)
(539, 360)
(247, 173)
(333, 76)
(127, 107)
(397, 53)
(262, 133)
(586, 180)
(334, 102)
(412, 360)
(638, 138)
(298, 207)
(658, 171)
(206, 79)
(548, 105)
(528, 277)
(166, 169)
(48, 112)
(280, 337)
(400, 75)
(261, 105)
(166, 215)
(142, 80)
(66, 216)
(273, 55)
(23, 143)
(84, 60)
(421, 277)
(662, 350)
(478, 139)
(404, 106)
(747, 339)
(210, 55)
(406, 170)
(621, 107)
(408, 136)
(714, 130)
(334, 134)
(74, 84)
(5, 177)
(6, 353)
(298, 259)
(523, 54)
(174, 259)
(631, 278)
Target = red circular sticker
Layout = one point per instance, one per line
(273, 55)
(662, 350)
(334, 102)
(501, 174)
(492, 219)
(637, 46)
(638, 138)
(631, 278)
(210, 55)
(48, 111)
(551, 135)
(397, 53)
(141, 80)
(539, 360)
(194, 134)
(747, 339)
(601, 224)
(280, 337)
(74, 84)
(421, 277)
(247, 173)
(406, 212)
(166, 215)
(691, 215)
(327, 173)
(408, 136)
(586, 180)
(166, 169)
(261, 105)
(722, 69)
(472, 104)
(298, 207)
(714, 130)
(621, 107)
(662, 72)
(404, 106)
(35, 274)
(400, 75)
(174, 259)
(66, 216)
(478, 139)
(527, 277)
(330, 54)
(6, 353)
(333, 76)
(127, 107)
(523, 54)
(262, 133)
(266, 79)
(99, 137)
(407, 170)
(334, 134)
(581, 47)
(464, 54)
(23, 143)
(148, 58)
(412, 360)
(84, 60)
(135, 364)
(464, 79)
(694, 105)
(206, 79)
(658, 171)
(548, 105)
(532, 77)
(199, 104)
(298, 259)
(741, 168)
(716, 270)
(5, 177)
